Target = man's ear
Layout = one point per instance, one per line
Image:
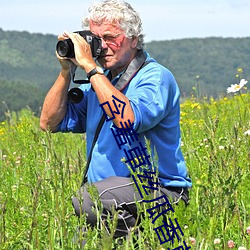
(134, 42)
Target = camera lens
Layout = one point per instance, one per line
(75, 95)
(65, 48)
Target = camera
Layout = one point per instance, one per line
(65, 48)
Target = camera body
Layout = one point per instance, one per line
(65, 48)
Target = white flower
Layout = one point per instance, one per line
(237, 87)
(216, 241)
(22, 210)
(192, 240)
(246, 133)
(242, 248)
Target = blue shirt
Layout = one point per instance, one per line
(154, 96)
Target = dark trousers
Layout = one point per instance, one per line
(119, 194)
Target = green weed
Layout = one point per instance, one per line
(40, 172)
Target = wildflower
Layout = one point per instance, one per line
(247, 133)
(237, 87)
(242, 248)
(221, 147)
(248, 230)
(14, 188)
(123, 159)
(45, 216)
(198, 182)
(192, 240)
(230, 244)
(195, 106)
(22, 210)
(216, 241)
(240, 70)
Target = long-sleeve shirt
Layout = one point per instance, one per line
(154, 97)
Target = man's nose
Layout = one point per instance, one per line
(104, 44)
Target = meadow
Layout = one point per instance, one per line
(40, 172)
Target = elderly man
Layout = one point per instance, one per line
(138, 96)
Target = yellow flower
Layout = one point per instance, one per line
(240, 70)
(195, 105)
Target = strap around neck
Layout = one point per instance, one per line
(126, 77)
(135, 65)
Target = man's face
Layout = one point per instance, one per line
(118, 50)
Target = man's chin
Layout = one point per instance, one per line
(105, 63)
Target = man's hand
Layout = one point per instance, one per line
(66, 63)
(83, 54)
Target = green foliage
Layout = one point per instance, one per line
(40, 172)
(14, 95)
(208, 62)
(26, 57)
(36, 184)
(204, 67)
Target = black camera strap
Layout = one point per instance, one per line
(136, 64)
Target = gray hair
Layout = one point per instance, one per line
(120, 13)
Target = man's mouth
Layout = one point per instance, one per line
(103, 56)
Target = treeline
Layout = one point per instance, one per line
(28, 68)
(16, 95)
(204, 67)
(210, 64)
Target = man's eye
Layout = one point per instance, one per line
(108, 37)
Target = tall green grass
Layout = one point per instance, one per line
(40, 172)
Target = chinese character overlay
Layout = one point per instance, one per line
(181, 247)
(152, 184)
(125, 134)
(118, 104)
(156, 209)
(137, 157)
(167, 232)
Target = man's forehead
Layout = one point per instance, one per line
(105, 27)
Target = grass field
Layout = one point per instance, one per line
(40, 172)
